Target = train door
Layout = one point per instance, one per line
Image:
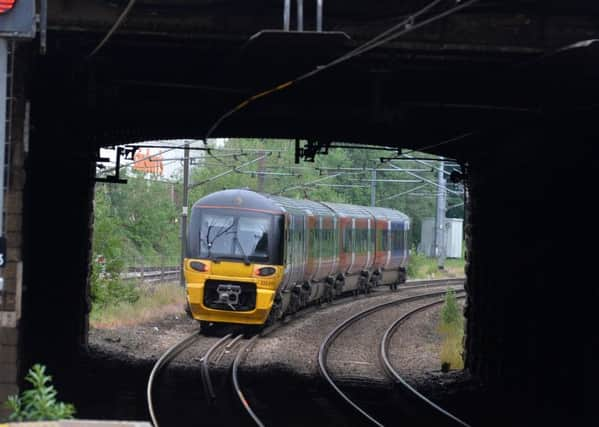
(320, 236)
(312, 242)
(369, 251)
(302, 246)
(297, 249)
(335, 244)
(386, 242)
(352, 243)
(288, 276)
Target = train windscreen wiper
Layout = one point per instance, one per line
(209, 242)
(246, 259)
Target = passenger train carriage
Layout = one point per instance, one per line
(253, 257)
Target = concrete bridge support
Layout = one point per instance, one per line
(57, 212)
(526, 232)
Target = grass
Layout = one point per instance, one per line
(451, 328)
(155, 301)
(421, 267)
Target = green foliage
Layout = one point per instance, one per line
(415, 264)
(451, 327)
(451, 315)
(107, 291)
(139, 218)
(39, 403)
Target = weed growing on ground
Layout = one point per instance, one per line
(38, 403)
(154, 301)
(423, 267)
(451, 328)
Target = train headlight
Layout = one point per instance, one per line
(198, 266)
(265, 271)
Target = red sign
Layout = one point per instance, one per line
(6, 5)
(147, 163)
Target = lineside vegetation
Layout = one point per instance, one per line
(451, 328)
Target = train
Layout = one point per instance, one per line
(253, 258)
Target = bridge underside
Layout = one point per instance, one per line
(500, 88)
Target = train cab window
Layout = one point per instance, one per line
(252, 235)
(228, 234)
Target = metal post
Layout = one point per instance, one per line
(440, 218)
(260, 176)
(184, 210)
(373, 188)
(300, 15)
(3, 77)
(286, 15)
(319, 15)
(3, 118)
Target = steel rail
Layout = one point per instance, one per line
(167, 356)
(394, 375)
(237, 387)
(243, 353)
(205, 369)
(326, 343)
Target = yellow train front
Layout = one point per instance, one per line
(234, 262)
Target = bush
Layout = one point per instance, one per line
(111, 290)
(451, 327)
(39, 403)
(415, 264)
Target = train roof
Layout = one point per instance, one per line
(303, 206)
(344, 209)
(388, 213)
(240, 199)
(252, 200)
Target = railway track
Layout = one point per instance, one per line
(444, 417)
(237, 354)
(408, 394)
(259, 421)
(226, 343)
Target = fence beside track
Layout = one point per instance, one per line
(152, 276)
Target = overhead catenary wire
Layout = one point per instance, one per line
(408, 25)
(114, 27)
(444, 142)
(235, 169)
(304, 185)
